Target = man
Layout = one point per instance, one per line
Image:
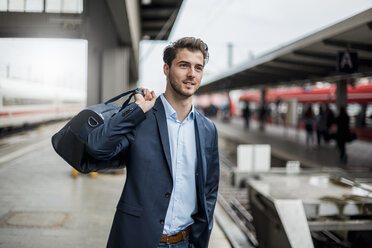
(171, 153)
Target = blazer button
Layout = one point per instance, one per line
(162, 222)
(167, 195)
(126, 112)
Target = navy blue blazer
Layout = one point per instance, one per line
(143, 140)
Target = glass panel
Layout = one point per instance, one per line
(3, 71)
(17, 5)
(72, 6)
(64, 6)
(80, 6)
(3, 5)
(53, 6)
(34, 5)
(69, 6)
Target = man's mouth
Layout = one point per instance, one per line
(189, 83)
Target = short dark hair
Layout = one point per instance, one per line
(190, 43)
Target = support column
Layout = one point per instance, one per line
(115, 72)
(341, 93)
(108, 59)
(94, 74)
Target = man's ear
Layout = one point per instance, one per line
(166, 69)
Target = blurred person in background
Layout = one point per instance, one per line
(342, 133)
(330, 120)
(309, 125)
(321, 125)
(246, 115)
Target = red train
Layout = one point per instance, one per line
(360, 93)
(359, 98)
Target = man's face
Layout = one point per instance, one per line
(186, 72)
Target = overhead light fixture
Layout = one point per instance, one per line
(146, 2)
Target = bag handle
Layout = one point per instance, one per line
(131, 92)
(135, 91)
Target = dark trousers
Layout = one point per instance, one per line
(342, 149)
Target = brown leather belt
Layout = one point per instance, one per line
(181, 236)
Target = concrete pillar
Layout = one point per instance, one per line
(292, 115)
(108, 58)
(94, 75)
(341, 93)
(115, 72)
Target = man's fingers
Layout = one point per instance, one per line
(138, 97)
(153, 96)
(146, 93)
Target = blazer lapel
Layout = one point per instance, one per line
(161, 120)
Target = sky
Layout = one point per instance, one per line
(253, 27)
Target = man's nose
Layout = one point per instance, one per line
(191, 72)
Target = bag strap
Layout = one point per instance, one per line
(131, 92)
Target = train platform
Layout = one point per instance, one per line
(289, 144)
(43, 205)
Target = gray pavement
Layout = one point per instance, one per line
(42, 205)
(289, 144)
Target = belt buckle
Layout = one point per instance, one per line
(168, 240)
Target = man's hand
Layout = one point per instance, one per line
(147, 101)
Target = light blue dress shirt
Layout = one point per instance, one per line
(183, 202)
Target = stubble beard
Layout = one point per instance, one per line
(178, 87)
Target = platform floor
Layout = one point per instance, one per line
(289, 144)
(42, 205)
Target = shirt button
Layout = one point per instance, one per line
(167, 195)
(162, 222)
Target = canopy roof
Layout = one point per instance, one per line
(311, 59)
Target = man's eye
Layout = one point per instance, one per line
(199, 68)
(183, 65)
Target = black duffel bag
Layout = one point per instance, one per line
(70, 141)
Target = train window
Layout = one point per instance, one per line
(73, 102)
(369, 116)
(34, 6)
(11, 101)
(51, 6)
(16, 5)
(64, 6)
(353, 109)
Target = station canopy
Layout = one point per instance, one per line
(158, 17)
(342, 51)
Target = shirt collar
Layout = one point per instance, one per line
(172, 114)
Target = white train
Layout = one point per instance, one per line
(28, 102)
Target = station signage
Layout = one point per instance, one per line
(347, 61)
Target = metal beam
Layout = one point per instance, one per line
(317, 55)
(153, 24)
(293, 73)
(42, 25)
(348, 44)
(266, 76)
(305, 63)
(298, 68)
(341, 225)
(154, 13)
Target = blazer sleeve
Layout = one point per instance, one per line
(116, 134)
(213, 179)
